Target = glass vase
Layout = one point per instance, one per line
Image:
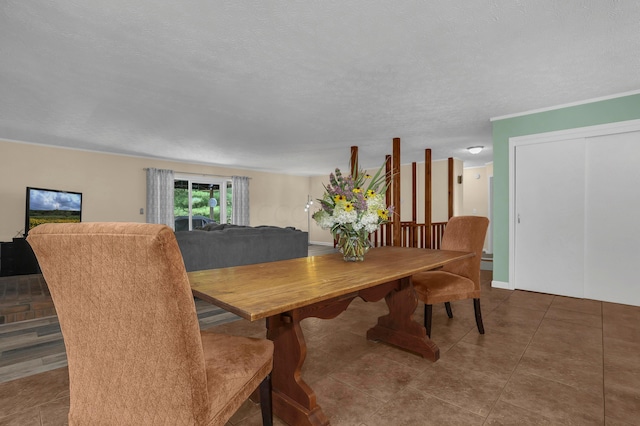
(353, 247)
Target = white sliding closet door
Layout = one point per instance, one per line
(549, 217)
(612, 245)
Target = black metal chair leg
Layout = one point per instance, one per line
(476, 308)
(427, 319)
(265, 401)
(447, 306)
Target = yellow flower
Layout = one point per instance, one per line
(357, 190)
(383, 214)
(370, 193)
(339, 198)
(348, 206)
(367, 176)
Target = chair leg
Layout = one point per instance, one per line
(447, 306)
(427, 319)
(476, 308)
(265, 401)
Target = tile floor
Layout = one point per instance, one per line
(544, 360)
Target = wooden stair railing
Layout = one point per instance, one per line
(412, 235)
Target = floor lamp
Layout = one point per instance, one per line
(306, 209)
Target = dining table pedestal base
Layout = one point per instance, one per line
(398, 327)
(293, 399)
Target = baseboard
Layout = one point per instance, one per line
(500, 284)
(321, 243)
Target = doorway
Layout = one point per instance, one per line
(549, 217)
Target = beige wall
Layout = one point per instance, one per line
(475, 182)
(476, 191)
(114, 187)
(439, 191)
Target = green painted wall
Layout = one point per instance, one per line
(591, 114)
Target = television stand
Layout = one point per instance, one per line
(17, 258)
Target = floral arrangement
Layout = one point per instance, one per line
(352, 208)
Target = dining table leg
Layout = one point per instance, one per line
(293, 399)
(398, 327)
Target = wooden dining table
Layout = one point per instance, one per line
(288, 291)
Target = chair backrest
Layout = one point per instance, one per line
(465, 233)
(128, 320)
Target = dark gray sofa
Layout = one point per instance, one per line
(220, 246)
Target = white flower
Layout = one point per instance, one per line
(376, 203)
(324, 219)
(343, 217)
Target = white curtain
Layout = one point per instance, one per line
(160, 196)
(240, 200)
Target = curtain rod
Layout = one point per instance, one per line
(198, 174)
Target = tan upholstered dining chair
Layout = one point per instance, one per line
(135, 351)
(457, 280)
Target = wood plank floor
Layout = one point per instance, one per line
(36, 345)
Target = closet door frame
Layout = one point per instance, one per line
(582, 132)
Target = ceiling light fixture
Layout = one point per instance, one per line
(475, 149)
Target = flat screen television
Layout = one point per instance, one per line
(51, 206)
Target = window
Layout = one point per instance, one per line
(199, 200)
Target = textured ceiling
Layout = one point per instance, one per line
(289, 86)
